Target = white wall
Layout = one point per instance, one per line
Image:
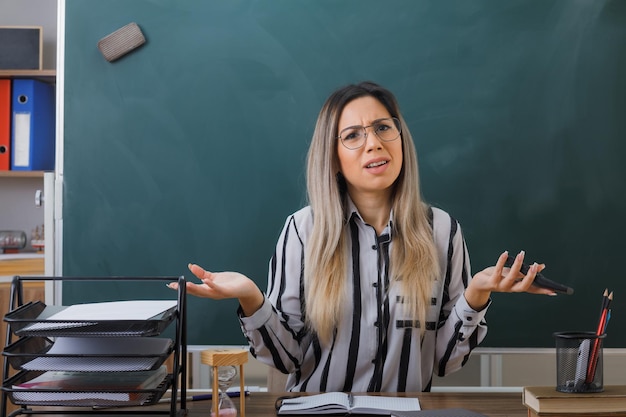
(17, 195)
(17, 205)
(17, 202)
(488, 369)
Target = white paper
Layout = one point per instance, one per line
(21, 144)
(54, 397)
(83, 315)
(114, 310)
(61, 386)
(375, 402)
(338, 402)
(100, 346)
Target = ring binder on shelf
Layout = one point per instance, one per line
(5, 124)
(32, 127)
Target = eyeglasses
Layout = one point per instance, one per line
(354, 137)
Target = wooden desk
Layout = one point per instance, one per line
(261, 404)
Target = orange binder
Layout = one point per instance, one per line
(5, 124)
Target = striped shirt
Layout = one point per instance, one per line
(375, 347)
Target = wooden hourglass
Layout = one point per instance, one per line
(225, 357)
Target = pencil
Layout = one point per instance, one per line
(593, 359)
(203, 397)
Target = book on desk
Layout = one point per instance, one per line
(547, 401)
(344, 403)
(339, 403)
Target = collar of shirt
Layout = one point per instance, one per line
(353, 210)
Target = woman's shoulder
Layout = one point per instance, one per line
(302, 219)
(305, 213)
(440, 216)
(445, 227)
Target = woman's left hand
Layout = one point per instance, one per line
(499, 278)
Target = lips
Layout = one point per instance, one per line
(375, 164)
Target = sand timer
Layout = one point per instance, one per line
(223, 364)
(225, 377)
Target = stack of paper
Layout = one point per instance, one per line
(84, 315)
(98, 354)
(59, 386)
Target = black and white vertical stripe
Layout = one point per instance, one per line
(375, 347)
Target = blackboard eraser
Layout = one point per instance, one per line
(119, 43)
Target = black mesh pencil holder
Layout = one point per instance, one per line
(579, 362)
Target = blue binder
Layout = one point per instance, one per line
(32, 127)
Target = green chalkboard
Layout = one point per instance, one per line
(192, 147)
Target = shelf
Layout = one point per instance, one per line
(23, 266)
(21, 174)
(48, 75)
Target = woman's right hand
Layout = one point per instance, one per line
(222, 285)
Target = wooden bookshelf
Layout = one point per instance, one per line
(22, 266)
(21, 174)
(48, 75)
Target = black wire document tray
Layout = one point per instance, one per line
(88, 354)
(96, 319)
(84, 389)
(103, 357)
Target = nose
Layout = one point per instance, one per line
(372, 141)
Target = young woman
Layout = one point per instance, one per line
(370, 287)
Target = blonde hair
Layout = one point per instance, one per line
(413, 258)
